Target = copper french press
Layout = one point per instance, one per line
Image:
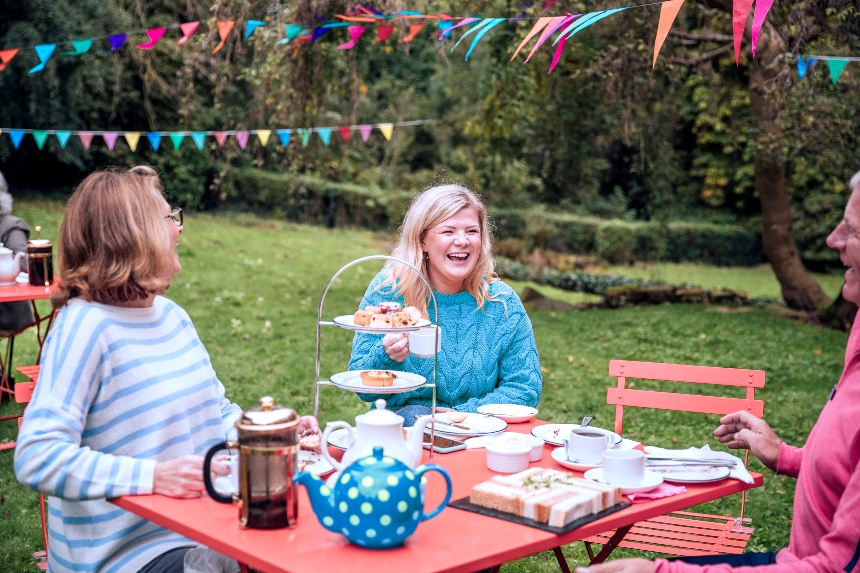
(268, 445)
(40, 264)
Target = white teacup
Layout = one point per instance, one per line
(623, 467)
(233, 478)
(422, 341)
(586, 445)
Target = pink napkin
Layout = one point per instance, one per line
(663, 490)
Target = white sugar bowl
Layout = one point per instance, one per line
(535, 443)
(508, 457)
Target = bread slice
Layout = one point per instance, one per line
(498, 496)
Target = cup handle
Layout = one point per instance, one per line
(207, 472)
(331, 426)
(434, 468)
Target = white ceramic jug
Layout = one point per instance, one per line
(9, 266)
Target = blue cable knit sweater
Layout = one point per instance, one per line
(487, 357)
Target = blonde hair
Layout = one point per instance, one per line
(430, 208)
(113, 246)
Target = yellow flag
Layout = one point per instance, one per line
(387, 129)
(132, 137)
(264, 134)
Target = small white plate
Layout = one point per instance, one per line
(688, 474)
(651, 481)
(314, 463)
(555, 433)
(560, 456)
(510, 413)
(403, 382)
(477, 425)
(345, 321)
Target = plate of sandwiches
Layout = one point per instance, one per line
(377, 381)
(382, 319)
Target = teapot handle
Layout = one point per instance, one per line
(329, 427)
(207, 475)
(419, 471)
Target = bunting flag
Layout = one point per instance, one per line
(464, 22)
(668, 12)
(177, 138)
(740, 12)
(292, 30)
(155, 35)
(263, 135)
(220, 137)
(284, 136)
(550, 29)
(306, 136)
(540, 25)
(387, 129)
(492, 24)
(80, 47)
(154, 140)
(803, 64)
(365, 131)
(224, 27)
(762, 7)
(116, 41)
(187, 28)
(242, 138)
(319, 31)
(414, 29)
(383, 33)
(345, 133)
(199, 138)
(836, 67)
(355, 32)
(86, 138)
(44, 51)
(325, 135)
(132, 138)
(252, 25)
(6, 57)
(17, 135)
(63, 137)
(110, 138)
(41, 136)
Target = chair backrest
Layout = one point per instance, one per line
(23, 395)
(622, 396)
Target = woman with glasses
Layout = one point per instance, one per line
(127, 401)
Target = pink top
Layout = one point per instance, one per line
(825, 532)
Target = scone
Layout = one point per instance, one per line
(310, 442)
(362, 318)
(414, 313)
(377, 378)
(401, 319)
(458, 417)
(381, 321)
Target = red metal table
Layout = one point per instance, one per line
(455, 541)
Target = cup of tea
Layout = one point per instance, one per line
(623, 467)
(423, 340)
(586, 445)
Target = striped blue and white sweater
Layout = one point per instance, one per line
(119, 390)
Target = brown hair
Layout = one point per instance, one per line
(113, 246)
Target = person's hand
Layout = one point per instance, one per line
(396, 346)
(183, 477)
(742, 430)
(309, 434)
(620, 566)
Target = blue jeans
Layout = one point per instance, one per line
(741, 560)
(411, 413)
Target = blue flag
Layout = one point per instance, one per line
(154, 139)
(45, 51)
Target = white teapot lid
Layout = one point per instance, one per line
(380, 416)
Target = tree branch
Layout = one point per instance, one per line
(703, 58)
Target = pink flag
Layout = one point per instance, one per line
(740, 11)
(220, 137)
(762, 7)
(559, 49)
(556, 23)
(541, 24)
(86, 138)
(6, 57)
(355, 32)
(383, 33)
(188, 28)
(668, 12)
(224, 27)
(155, 35)
(462, 22)
(242, 138)
(365, 131)
(345, 133)
(110, 138)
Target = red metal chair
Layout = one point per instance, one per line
(23, 394)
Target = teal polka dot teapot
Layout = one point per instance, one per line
(376, 502)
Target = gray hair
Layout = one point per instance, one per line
(855, 182)
(5, 197)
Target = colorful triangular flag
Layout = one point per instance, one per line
(292, 30)
(116, 41)
(176, 137)
(387, 129)
(80, 47)
(306, 136)
(325, 135)
(355, 32)
(41, 136)
(345, 133)
(63, 137)
(155, 35)
(414, 29)
(86, 138)
(242, 138)
(284, 136)
(540, 25)
(6, 57)
(263, 135)
(187, 28)
(495, 22)
(668, 12)
(252, 25)
(220, 137)
(110, 138)
(365, 131)
(154, 139)
(383, 32)
(17, 135)
(199, 138)
(836, 67)
(132, 138)
(740, 12)
(44, 52)
(224, 27)
(550, 29)
(762, 7)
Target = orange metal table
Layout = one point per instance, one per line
(455, 541)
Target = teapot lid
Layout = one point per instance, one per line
(268, 416)
(380, 416)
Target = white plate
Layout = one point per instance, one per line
(345, 321)
(547, 433)
(510, 413)
(560, 456)
(338, 439)
(688, 474)
(477, 426)
(651, 481)
(404, 382)
(315, 463)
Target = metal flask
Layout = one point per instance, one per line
(40, 263)
(268, 445)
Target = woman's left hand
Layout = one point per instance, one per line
(620, 566)
(309, 434)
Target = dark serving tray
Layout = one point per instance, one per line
(465, 504)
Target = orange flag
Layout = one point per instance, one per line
(6, 57)
(224, 27)
(668, 12)
(413, 31)
(541, 24)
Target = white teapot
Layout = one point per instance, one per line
(378, 427)
(9, 266)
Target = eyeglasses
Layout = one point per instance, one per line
(176, 215)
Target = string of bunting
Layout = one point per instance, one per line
(567, 26)
(835, 64)
(132, 138)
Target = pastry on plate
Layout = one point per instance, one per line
(377, 378)
(310, 442)
(362, 317)
(381, 321)
(458, 417)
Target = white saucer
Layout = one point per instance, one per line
(649, 482)
(560, 456)
(510, 413)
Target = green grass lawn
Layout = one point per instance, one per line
(252, 287)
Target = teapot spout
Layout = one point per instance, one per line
(322, 498)
(416, 437)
